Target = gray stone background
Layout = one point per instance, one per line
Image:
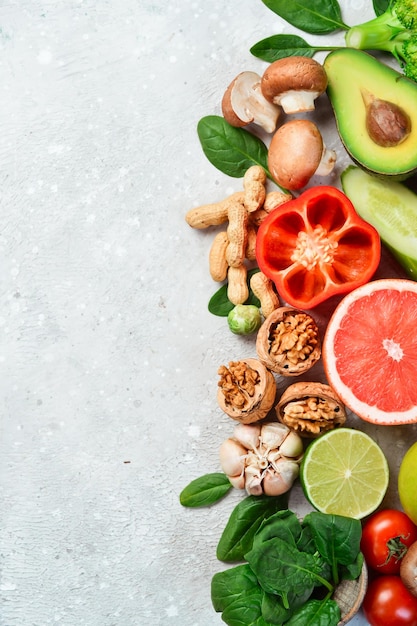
(108, 355)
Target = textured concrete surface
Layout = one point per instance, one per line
(108, 355)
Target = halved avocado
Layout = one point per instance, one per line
(356, 78)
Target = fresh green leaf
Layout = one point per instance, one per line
(353, 570)
(316, 613)
(232, 150)
(245, 611)
(311, 16)
(380, 6)
(231, 584)
(243, 523)
(205, 490)
(306, 542)
(283, 524)
(281, 46)
(281, 568)
(273, 609)
(219, 304)
(337, 538)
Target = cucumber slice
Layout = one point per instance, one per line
(391, 208)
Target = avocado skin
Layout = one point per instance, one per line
(349, 71)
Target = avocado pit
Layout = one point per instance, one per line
(387, 123)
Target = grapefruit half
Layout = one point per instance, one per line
(370, 351)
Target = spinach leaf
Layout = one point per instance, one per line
(353, 570)
(380, 6)
(244, 521)
(219, 304)
(311, 16)
(316, 613)
(205, 490)
(273, 610)
(281, 46)
(337, 538)
(232, 150)
(283, 524)
(305, 542)
(231, 584)
(245, 611)
(281, 568)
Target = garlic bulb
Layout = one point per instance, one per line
(262, 459)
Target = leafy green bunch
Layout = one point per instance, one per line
(393, 30)
(289, 570)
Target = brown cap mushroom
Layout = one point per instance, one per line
(294, 83)
(408, 569)
(297, 152)
(244, 103)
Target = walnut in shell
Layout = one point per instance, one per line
(310, 408)
(288, 342)
(246, 390)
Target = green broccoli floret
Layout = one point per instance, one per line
(394, 31)
(409, 56)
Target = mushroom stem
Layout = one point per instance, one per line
(295, 101)
(327, 163)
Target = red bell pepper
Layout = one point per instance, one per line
(317, 246)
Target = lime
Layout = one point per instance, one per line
(407, 483)
(344, 472)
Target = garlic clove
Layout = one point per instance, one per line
(287, 471)
(248, 435)
(254, 459)
(238, 482)
(232, 457)
(274, 484)
(253, 481)
(273, 456)
(273, 435)
(292, 446)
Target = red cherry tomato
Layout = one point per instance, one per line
(389, 603)
(386, 535)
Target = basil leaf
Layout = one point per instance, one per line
(316, 613)
(282, 568)
(219, 304)
(232, 150)
(231, 584)
(281, 46)
(337, 538)
(380, 6)
(243, 523)
(205, 490)
(311, 16)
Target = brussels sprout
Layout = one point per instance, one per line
(244, 319)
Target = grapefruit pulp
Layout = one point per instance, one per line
(370, 351)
